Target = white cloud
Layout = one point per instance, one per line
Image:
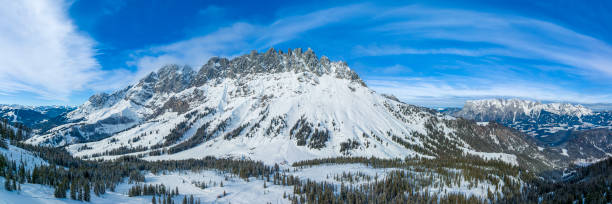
(511, 35)
(452, 91)
(505, 35)
(42, 52)
(195, 51)
(395, 69)
(239, 38)
(397, 50)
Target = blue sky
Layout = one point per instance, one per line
(431, 53)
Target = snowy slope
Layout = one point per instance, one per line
(21, 156)
(275, 107)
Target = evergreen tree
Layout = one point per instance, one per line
(87, 196)
(14, 185)
(73, 190)
(7, 184)
(60, 192)
(80, 196)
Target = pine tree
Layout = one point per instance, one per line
(73, 190)
(7, 184)
(87, 196)
(80, 196)
(3, 143)
(60, 192)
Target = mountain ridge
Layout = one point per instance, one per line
(510, 108)
(290, 105)
(577, 133)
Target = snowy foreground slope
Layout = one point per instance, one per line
(275, 107)
(239, 191)
(222, 187)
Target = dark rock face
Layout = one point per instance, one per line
(98, 100)
(101, 100)
(173, 78)
(272, 61)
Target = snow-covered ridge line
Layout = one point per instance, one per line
(17, 106)
(136, 103)
(273, 107)
(519, 106)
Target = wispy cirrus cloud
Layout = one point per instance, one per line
(240, 37)
(489, 38)
(497, 55)
(510, 35)
(375, 50)
(42, 52)
(455, 53)
(453, 91)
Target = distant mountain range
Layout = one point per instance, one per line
(573, 130)
(38, 118)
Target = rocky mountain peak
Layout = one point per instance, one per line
(174, 78)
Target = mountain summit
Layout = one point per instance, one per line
(275, 107)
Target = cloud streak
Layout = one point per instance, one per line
(513, 36)
(42, 52)
(240, 37)
(453, 92)
(467, 53)
(481, 35)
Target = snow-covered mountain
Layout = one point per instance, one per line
(575, 131)
(514, 109)
(534, 118)
(37, 118)
(275, 107)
